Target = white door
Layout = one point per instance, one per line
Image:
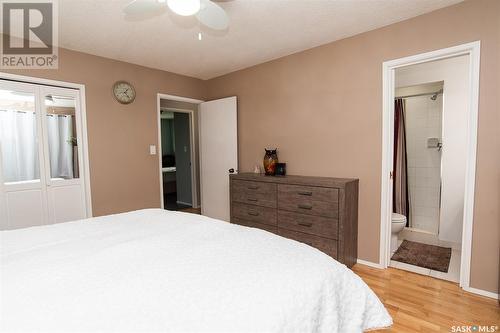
(63, 153)
(41, 172)
(22, 182)
(218, 123)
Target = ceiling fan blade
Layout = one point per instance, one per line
(140, 7)
(212, 15)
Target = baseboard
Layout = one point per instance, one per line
(369, 263)
(481, 292)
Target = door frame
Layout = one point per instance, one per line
(388, 76)
(192, 136)
(83, 114)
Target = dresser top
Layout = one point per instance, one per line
(296, 180)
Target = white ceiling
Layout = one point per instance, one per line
(260, 30)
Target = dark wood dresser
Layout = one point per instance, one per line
(319, 211)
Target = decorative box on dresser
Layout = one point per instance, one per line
(319, 211)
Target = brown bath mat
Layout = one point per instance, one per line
(423, 255)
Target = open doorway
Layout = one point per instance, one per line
(428, 163)
(179, 157)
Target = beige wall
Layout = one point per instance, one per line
(323, 109)
(123, 174)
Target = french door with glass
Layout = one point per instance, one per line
(41, 159)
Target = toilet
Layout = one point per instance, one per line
(398, 224)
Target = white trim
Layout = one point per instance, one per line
(83, 111)
(180, 98)
(369, 263)
(185, 203)
(482, 292)
(194, 178)
(473, 50)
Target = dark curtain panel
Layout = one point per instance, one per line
(400, 198)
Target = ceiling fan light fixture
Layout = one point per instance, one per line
(184, 7)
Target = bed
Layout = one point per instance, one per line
(154, 270)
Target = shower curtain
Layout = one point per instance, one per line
(400, 200)
(19, 147)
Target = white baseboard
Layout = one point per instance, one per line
(481, 292)
(369, 263)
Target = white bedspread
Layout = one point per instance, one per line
(154, 270)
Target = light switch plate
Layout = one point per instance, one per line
(152, 150)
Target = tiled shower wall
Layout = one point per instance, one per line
(423, 121)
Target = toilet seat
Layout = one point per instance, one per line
(398, 218)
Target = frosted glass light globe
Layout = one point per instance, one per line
(184, 7)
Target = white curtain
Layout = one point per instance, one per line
(18, 145)
(19, 148)
(60, 135)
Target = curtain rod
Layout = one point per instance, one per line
(440, 91)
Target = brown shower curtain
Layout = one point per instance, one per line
(400, 198)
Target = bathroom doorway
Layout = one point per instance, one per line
(429, 149)
(179, 155)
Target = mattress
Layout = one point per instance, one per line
(154, 270)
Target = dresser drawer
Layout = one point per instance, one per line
(328, 246)
(254, 213)
(251, 224)
(255, 193)
(309, 207)
(309, 224)
(298, 193)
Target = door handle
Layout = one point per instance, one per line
(231, 170)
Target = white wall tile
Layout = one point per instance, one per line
(423, 121)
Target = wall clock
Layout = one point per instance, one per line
(124, 92)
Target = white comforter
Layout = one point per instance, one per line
(153, 270)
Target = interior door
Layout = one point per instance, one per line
(63, 154)
(22, 182)
(218, 154)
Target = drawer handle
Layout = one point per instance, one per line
(305, 224)
(253, 213)
(308, 193)
(253, 187)
(305, 206)
(252, 199)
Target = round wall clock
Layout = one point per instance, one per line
(124, 92)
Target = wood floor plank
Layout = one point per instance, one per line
(419, 303)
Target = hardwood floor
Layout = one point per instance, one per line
(191, 210)
(419, 303)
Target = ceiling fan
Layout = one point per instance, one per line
(207, 12)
